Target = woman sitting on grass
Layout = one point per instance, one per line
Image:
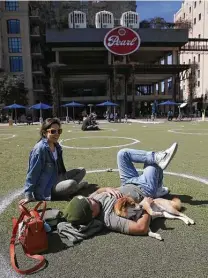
(47, 177)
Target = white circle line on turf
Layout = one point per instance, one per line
(187, 133)
(6, 270)
(6, 138)
(182, 175)
(135, 141)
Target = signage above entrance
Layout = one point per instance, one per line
(122, 41)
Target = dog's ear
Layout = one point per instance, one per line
(119, 206)
(130, 201)
(122, 204)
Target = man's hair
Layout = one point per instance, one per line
(78, 211)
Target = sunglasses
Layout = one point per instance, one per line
(54, 131)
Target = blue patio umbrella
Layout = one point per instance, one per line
(169, 103)
(72, 104)
(15, 107)
(40, 106)
(107, 103)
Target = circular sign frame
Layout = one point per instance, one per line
(119, 32)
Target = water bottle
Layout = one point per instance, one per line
(47, 227)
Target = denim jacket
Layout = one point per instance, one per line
(43, 171)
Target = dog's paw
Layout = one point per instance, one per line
(158, 236)
(155, 235)
(191, 221)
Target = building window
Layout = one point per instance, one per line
(16, 64)
(199, 17)
(194, 59)
(194, 4)
(189, 9)
(11, 5)
(199, 58)
(198, 83)
(184, 15)
(194, 20)
(13, 26)
(199, 36)
(15, 45)
(189, 61)
(198, 73)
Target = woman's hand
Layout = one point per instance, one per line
(26, 200)
(114, 192)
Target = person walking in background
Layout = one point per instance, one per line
(47, 177)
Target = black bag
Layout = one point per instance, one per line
(53, 217)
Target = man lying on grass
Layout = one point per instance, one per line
(99, 205)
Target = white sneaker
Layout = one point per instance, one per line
(163, 158)
(162, 191)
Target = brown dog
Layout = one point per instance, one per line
(126, 207)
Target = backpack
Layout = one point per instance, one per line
(31, 235)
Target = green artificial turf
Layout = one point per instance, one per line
(191, 158)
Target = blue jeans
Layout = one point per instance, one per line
(151, 178)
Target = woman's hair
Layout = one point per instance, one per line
(47, 124)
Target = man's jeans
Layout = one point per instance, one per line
(152, 176)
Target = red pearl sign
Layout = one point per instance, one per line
(122, 41)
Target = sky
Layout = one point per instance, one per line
(166, 9)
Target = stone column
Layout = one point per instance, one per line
(109, 58)
(175, 57)
(57, 57)
(166, 80)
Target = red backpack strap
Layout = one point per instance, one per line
(14, 264)
(24, 210)
(43, 210)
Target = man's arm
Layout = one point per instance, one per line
(140, 227)
(110, 190)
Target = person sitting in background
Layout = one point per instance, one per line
(47, 177)
(89, 123)
(170, 115)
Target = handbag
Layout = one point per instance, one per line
(31, 235)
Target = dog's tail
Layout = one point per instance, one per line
(176, 203)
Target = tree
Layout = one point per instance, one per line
(12, 89)
(145, 24)
(158, 22)
(192, 84)
(54, 86)
(183, 24)
(53, 14)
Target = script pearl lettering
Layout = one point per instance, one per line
(114, 40)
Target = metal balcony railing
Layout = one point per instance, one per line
(195, 45)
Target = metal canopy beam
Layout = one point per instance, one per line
(122, 69)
